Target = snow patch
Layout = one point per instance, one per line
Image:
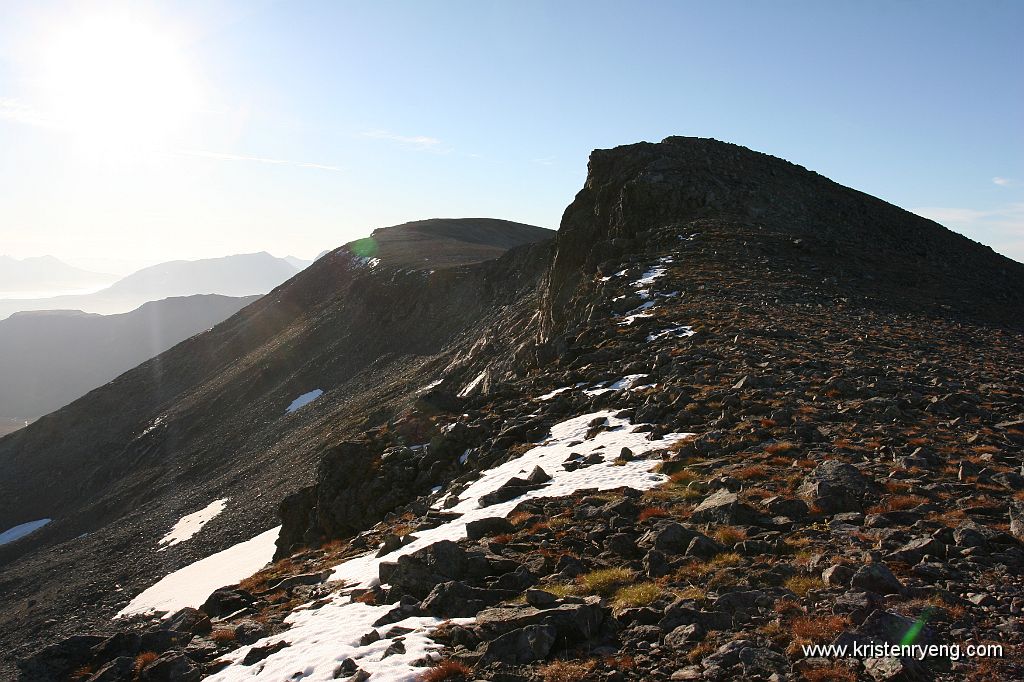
(190, 524)
(679, 331)
(552, 394)
(472, 385)
(626, 382)
(637, 313)
(191, 585)
(432, 384)
(321, 638)
(304, 399)
(21, 530)
(156, 422)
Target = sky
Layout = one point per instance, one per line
(134, 133)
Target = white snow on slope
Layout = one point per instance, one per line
(190, 524)
(21, 530)
(678, 331)
(471, 385)
(637, 313)
(648, 278)
(320, 639)
(628, 381)
(432, 384)
(304, 399)
(191, 585)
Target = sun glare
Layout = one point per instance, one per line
(118, 82)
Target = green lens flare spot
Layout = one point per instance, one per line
(365, 248)
(915, 630)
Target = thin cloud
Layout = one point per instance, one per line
(420, 142)
(1002, 227)
(546, 161)
(19, 112)
(255, 159)
(1002, 182)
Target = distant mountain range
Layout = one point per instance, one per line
(25, 277)
(238, 275)
(49, 358)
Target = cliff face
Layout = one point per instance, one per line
(854, 243)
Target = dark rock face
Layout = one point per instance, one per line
(863, 242)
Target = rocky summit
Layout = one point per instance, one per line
(732, 421)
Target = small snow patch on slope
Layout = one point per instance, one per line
(190, 524)
(320, 639)
(637, 313)
(191, 585)
(304, 399)
(626, 382)
(472, 385)
(21, 530)
(678, 331)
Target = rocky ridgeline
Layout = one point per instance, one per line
(855, 474)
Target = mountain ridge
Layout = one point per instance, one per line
(48, 358)
(685, 303)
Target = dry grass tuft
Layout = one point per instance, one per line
(897, 503)
(779, 447)
(749, 472)
(640, 594)
(446, 670)
(566, 671)
(223, 635)
(833, 672)
(144, 659)
(651, 513)
(800, 585)
(605, 581)
(729, 535)
(818, 628)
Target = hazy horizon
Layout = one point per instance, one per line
(141, 133)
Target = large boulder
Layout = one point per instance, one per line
(525, 645)
(174, 666)
(417, 574)
(573, 622)
(455, 599)
(58, 661)
(835, 487)
(876, 578)
(724, 507)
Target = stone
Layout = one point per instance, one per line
(573, 622)
(703, 547)
(455, 599)
(258, 653)
(669, 537)
(915, 550)
(226, 600)
(188, 619)
(118, 670)
(837, 575)
(58, 661)
(876, 577)
(834, 487)
(524, 645)
(483, 528)
(656, 565)
(724, 507)
(683, 635)
(540, 599)
(173, 666)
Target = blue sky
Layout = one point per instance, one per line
(294, 127)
